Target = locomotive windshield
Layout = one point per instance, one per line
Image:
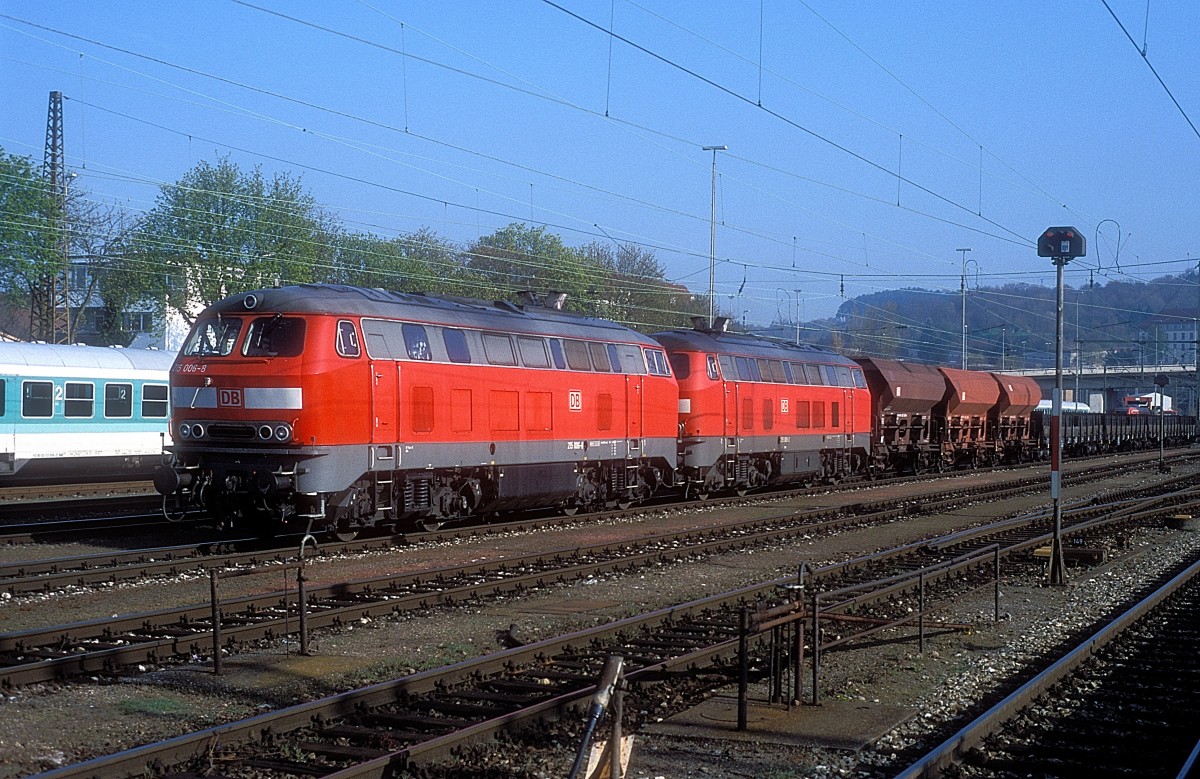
(213, 337)
(274, 336)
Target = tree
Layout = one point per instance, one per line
(30, 231)
(633, 290)
(219, 230)
(416, 262)
(519, 257)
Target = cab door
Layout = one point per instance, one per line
(385, 405)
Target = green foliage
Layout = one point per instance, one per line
(29, 226)
(219, 230)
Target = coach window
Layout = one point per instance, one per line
(533, 352)
(711, 366)
(347, 339)
(154, 401)
(37, 399)
(118, 401)
(416, 342)
(456, 345)
(80, 400)
(499, 349)
(3, 387)
(599, 356)
(556, 351)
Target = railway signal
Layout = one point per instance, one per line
(1061, 244)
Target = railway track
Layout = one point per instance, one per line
(102, 646)
(388, 727)
(107, 568)
(1122, 703)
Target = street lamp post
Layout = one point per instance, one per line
(712, 243)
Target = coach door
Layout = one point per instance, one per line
(385, 384)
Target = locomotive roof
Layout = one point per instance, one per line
(345, 300)
(748, 344)
(33, 355)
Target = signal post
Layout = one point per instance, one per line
(1061, 244)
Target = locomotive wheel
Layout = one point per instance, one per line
(344, 532)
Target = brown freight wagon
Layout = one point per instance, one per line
(904, 433)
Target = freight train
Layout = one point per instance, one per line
(336, 408)
(69, 412)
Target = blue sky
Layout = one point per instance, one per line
(868, 141)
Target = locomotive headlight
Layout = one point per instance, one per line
(283, 432)
(197, 430)
(264, 432)
(185, 430)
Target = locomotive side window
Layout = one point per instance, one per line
(615, 359)
(416, 342)
(533, 352)
(777, 374)
(599, 356)
(656, 362)
(37, 399)
(830, 375)
(843, 374)
(577, 355)
(213, 337)
(743, 368)
(787, 373)
(456, 345)
(154, 401)
(860, 380)
(711, 362)
(813, 374)
(499, 350)
(118, 401)
(556, 351)
(680, 364)
(728, 369)
(347, 339)
(80, 400)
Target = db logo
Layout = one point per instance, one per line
(575, 400)
(229, 397)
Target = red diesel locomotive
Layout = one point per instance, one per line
(755, 412)
(342, 408)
